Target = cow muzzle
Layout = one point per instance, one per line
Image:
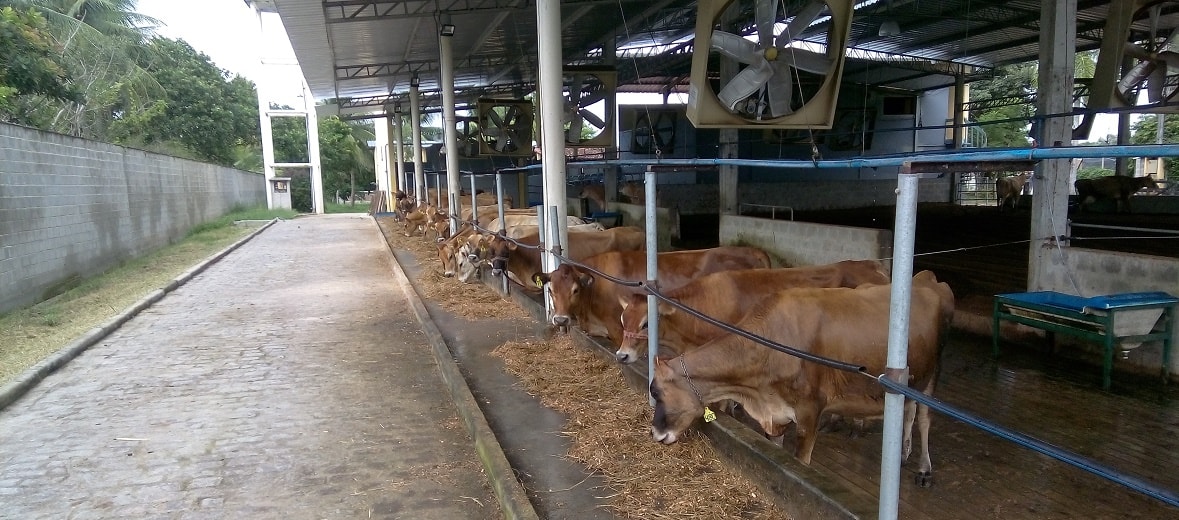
(560, 320)
(626, 356)
(664, 437)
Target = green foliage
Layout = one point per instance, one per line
(241, 213)
(1093, 172)
(345, 157)
(301, 192)
(203, 110)
(1011, 81)
(30, 63)
(1145, 131)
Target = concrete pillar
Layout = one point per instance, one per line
(552, 142)
(415, 114)
(450, 128)
(1058, 23)
(313, 149)
(728, 175)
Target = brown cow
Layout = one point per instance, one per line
(1009, 188)
(416, 221)
(596, 304)
(448, 250)
(775, 389)
(596, 193)
(1115, 187)
(519, 262)
(729, 296)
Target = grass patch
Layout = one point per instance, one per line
(34, 333)
(347, 207)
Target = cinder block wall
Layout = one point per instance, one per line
(1098, 273)
(71, 208)
(793, 244)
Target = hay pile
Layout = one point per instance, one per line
(609, 424)
(471, 301)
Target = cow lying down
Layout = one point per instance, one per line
(777, 389)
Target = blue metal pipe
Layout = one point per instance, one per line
(997, 154)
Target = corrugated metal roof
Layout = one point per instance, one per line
(367, 50)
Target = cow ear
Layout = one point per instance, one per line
(540, 279)
(586, 280)
(624, 301)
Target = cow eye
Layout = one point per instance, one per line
(643, 326)
(655, 392)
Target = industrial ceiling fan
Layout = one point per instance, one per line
(784, 81)
(1149, 84)
(589, 110)
(505, 127)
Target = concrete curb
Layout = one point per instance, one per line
(36, 373)
(512, 498)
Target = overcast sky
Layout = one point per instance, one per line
(228, 32)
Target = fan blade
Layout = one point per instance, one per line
(1154, 84)
(809, 61)
(493, 116)
(745, 83)
(780, 90)
(735, 47)
(1171, 58)
(765, 12)
(1136, 51)
(1136, 76)
(800, 22)
(592, 118)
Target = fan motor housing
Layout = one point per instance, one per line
(517, 115)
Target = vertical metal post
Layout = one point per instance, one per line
(549, 92)
(421, 191)
(652, 274)
(499, 194)
(474, 201)
(438, 189)
(449, 126)
(898, 343)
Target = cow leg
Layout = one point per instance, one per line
(907, 438)
(925, 474)
(807, 421)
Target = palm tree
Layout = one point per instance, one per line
(100, 40)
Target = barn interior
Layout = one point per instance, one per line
(886, 79)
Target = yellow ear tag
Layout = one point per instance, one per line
(709, 415)
(539, 284)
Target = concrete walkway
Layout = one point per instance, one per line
(289, 380)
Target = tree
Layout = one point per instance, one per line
(29, 62)
(1145, 131)
(203, 110)
(1006, 126)
(344, 154)
(98, 41)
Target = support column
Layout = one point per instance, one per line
(398, 154)
(381, 161)
(449, 128)
(552, 142)
(727, 174)
(1058, 22)
(415, 114)
(313, 149)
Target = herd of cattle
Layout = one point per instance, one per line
(838, 311)
(1117, 188)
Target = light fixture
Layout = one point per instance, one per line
(890, 28)
(414, 81)
(447, 29)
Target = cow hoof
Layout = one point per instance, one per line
(924, 479)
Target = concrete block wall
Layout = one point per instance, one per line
(666, 220)
(72, 208)
(792, 244)
(1091, 272)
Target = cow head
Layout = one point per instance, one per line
(634, 327)
(471, 254)
(446, 255)
(568, 286)
(498, 249)
(676, 404)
